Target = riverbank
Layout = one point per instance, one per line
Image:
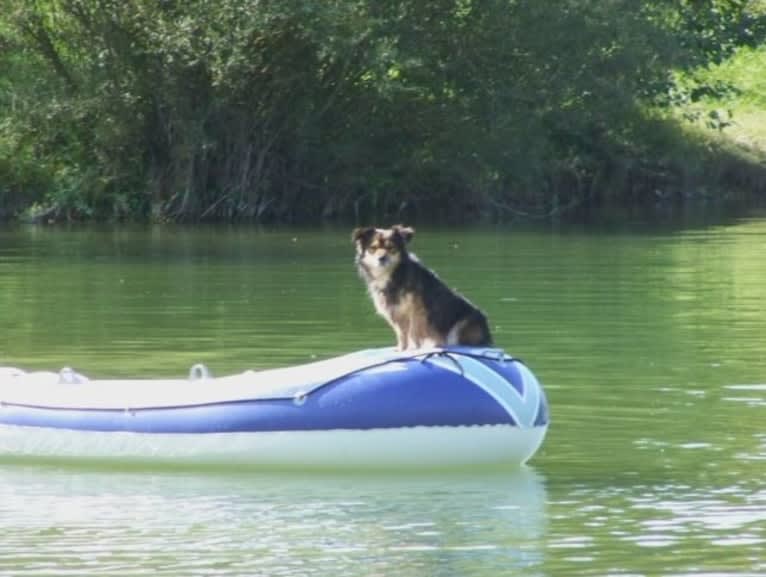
(293, 113)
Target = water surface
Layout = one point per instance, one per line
(650, 343)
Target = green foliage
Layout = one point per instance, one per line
(713, 29)
(290, 110)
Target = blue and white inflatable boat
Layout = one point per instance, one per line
(374, 408)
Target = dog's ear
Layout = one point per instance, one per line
(406, 232)
(362, 235)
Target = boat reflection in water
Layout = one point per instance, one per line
(241, 523)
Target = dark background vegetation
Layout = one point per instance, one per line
(298, 110)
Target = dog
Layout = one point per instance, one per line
(421, 309)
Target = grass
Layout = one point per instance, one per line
(743, 107)
(715, 142)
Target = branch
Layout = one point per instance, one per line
(35, 27)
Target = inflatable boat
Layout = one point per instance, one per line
(375, 408)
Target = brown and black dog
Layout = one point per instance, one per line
(417, 304)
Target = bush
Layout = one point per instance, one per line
(294, 110)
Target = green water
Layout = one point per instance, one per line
(651, 344)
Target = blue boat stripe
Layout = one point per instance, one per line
(522, 408)
(533, 399)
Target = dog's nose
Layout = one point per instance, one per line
(383, 259)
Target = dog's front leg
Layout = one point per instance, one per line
(402, 336)
(417, 333)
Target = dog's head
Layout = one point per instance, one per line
(379, 250)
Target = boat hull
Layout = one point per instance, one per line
(372, 409)
(416, 447)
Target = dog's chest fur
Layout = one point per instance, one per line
(390, 293)
(396, 304)
(407, 295)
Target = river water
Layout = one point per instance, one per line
(650, 341)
